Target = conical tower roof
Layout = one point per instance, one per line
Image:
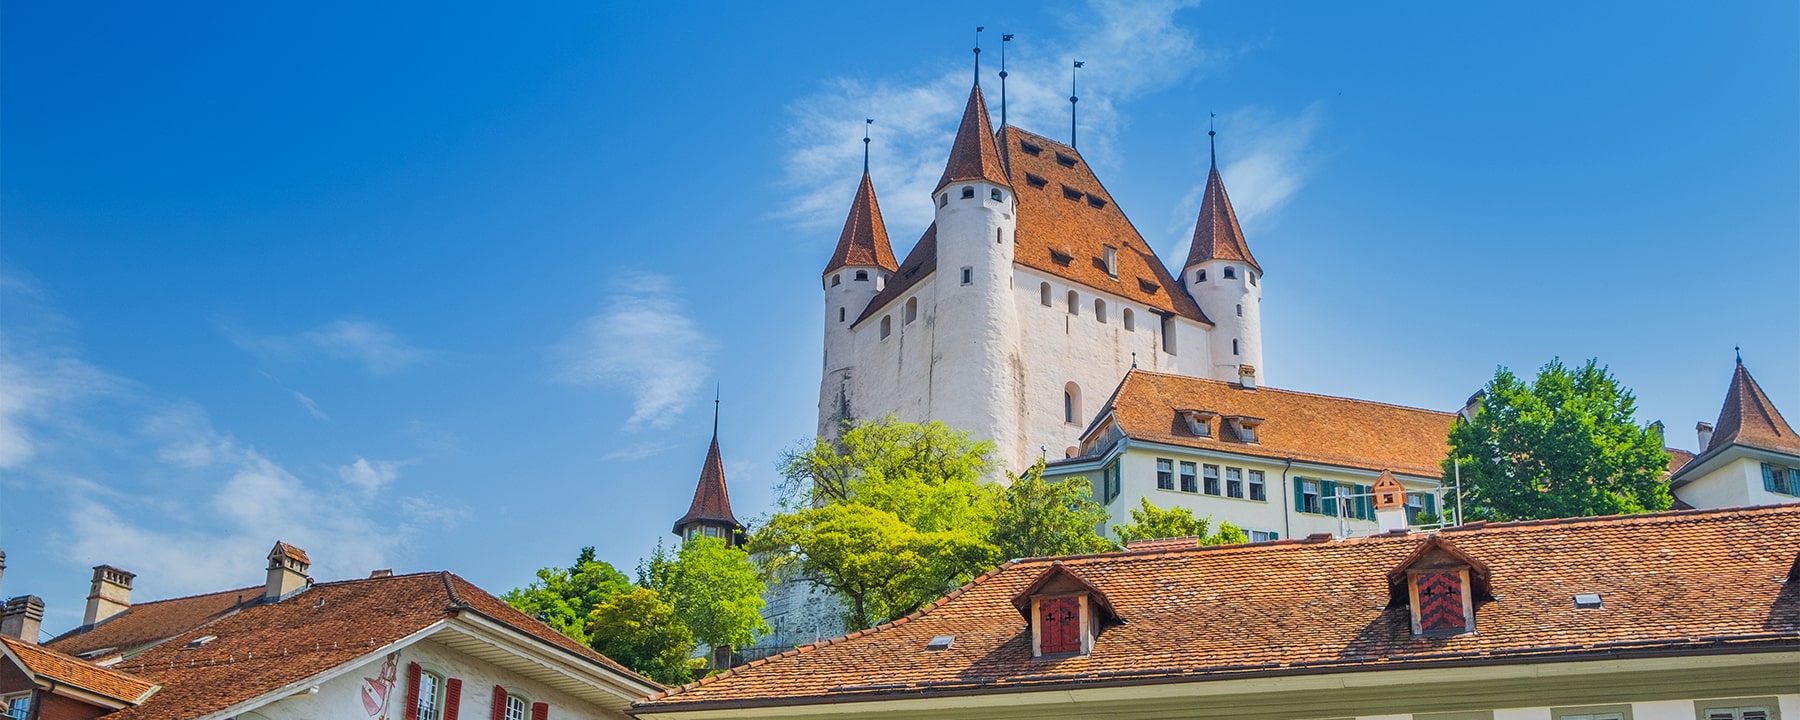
(1216, 234)
(1749, 418)
(711, 502)
(865, 239)
(975, 155)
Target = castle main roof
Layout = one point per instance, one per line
(864, 240)
(1216, 233)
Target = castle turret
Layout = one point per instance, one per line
(709, 515)
(1223, 277)
(860, 268)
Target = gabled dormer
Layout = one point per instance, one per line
(1441, 584)
(1066, 613)
(1244, 427)
(1199, 422)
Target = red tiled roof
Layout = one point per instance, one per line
(920, 263)
(1749, 418)
(711, 502)
(1066, 218)
(1216, 233)
(45, 663)
(1678, 458)
(1303, 426)
(152, 622)
(266, 646)
(973, 155)
(864, 240)
(1291, 607)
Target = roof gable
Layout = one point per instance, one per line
(46, 664)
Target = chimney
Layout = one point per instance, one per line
(1247, 376)
(1471, 405)
(287, 572)
(23, 618)
(109, 595)
(1390, 503)
(1705, 431)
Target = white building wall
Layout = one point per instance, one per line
(341, 698)
(1235, 306)
(1737, 483)
(1787, 707)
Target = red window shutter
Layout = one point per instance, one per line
(1441, 602)
(1059, 628)
(499, 703)
(452, 698)
(412, 691)
(540, 711)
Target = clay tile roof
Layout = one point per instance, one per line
(973, 156)
(864, 240)
(1216, 233)
(152, 622)
(282, 549)
(920, 263)
(1280, 608)
(41, 662)
(711, 502)
(1749, 418)
(1064, 232)
(1678, 458)
(1306, 427)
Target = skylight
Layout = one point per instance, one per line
(202, 640)
(1587, 601)
(941, 642)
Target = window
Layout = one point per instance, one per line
(1165, 474)
(1246, 432)
(837, 279)
(1112, 260)
(18, 708)
(840, 314)
(944, 200)
(887, 326)
(1072, 404)
(1187, 478)
(995, 195)
(1109, 483)
(1258, 491)
(968, 275)
(1783, 480)
(1036, 182)
(1440, 603)
(968, 192)
(1252, 277)
(1065, 160)
(1074, 303)
(1345, 505)
(1210, 474)
(1230, 272)
(1306, 496)
(1130, 320)
(1234, 482)
(912, 310)
(515, 708)
(427, 709)
(1168, 333)
(1240, 309)
(1592, 712)
(1060, 630)
(1030, 148)
(1071, 193)
(862, 275)
(999, 236)
(1099, 309)
(1737, 709)
(1199, 276)
(1044, 294)
(1234, 347)
(1263, 536)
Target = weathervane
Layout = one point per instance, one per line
(1072, 100)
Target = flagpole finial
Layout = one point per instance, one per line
(1739, 350)
(1004, 39)
(1212, 138)
(978, 29)
(866, 123)
(1072, 100)
(716, 389)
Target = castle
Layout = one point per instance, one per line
(1027, 300)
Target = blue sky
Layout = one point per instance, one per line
(437, 286)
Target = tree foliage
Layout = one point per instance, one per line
(563, 597)
(929, 476)
(717, 592)
(1149, 522)
(638, 628)
(1566, 444)
(1039, 518)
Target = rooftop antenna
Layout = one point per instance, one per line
(1072, 100)
(1212, 139)
(866, 123)
(978, 29)
(1004, 39)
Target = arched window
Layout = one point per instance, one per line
(837, 279)
(995, 195)
(912, 310)
(1230, 272)
(1099, 309)
(1074, 303)
(1044, 294)
(968, 192)
(1199, 276)
(1072, 403)
(840, 314)
(1130, 320)
(1234, 348)
(862, 275)
(887, 327)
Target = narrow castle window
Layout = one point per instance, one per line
(1199, 276)
(1072, 403)
(837, 279)
(968, 275)
(995, 195)
(1168, 334)
(943, 199)
(1074, 303)
(1130, 321)
(1240, 310)
(1234, 347)
(887, 326)
(840, 314)
(1252, 277)
(1044, 294)
(999, 238)
(912, 310)
(968, 192)
(1099, 309)
(862, 275)
(1230, 272)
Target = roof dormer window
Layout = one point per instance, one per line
(1244, 426)
(1440, 583)
(1066, 613)
(1065, 160)
(1111, 258)
(1199, 422)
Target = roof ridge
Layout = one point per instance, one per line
(1634, 518)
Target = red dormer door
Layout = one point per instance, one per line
(1059, 625)
(1441, 602)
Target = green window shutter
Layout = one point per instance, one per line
(1299, 494)
(1365, 510)
(1768, 477)
(1328, 497)
(1431, 504)
(1793, 487)
(1274, 535)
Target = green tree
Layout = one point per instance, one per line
(1038, 518)
(882, 567)
(1567, 444)
(1149, 522)
(563, 597)
(929, 476)
(638, 628)
(717, 592)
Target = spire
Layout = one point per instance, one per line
(1749, 418)
(975, 155)
(864, 240)
(711, 504)
(1216, 234)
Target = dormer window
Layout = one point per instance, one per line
(1244, 427)
(1440, 583)
(1111, 258)
(1066, 613)
(1199, 422)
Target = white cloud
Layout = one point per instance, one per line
(367, 476)
(1269, 160)
(379, 350)
(637, 451)
(1128, 50)
(642, 344)
(307, 404)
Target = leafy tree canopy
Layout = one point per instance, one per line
(1566, 444)
(928, 476)
(563, 597)
(1149, 522)
(1038, 518)
(638, 628)
(717, 592)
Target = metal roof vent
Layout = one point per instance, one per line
(941, 642)
(1587, 601)
(202, 640)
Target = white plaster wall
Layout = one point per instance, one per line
(1738, 483)
(1220, 298)
(341, 698)
(850, 296)
(1788, 706)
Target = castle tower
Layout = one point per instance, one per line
(975, 315)
(1223, 277)
(709, 514)
(859, 269)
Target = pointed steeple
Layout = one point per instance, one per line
(975, 155)
(1749, 418)
(1216, 234)
(864, 240)
(711, 507)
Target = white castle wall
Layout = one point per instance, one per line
(1235, 306)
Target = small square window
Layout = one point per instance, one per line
(968, 275)
(1188, 483)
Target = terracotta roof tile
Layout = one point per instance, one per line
(1216, 232)
(152, 622)
(68, 670)
(1313, 428)
(1678, 458)
(973, 155)
(1292, 607)
(711, 502)
(864, 240)
(1749, 418)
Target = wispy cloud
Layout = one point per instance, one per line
(39, 382)
(306, 402)
(369, 476)
(1271, 160)
(640, 343)
(379, 350)
(637, 451)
